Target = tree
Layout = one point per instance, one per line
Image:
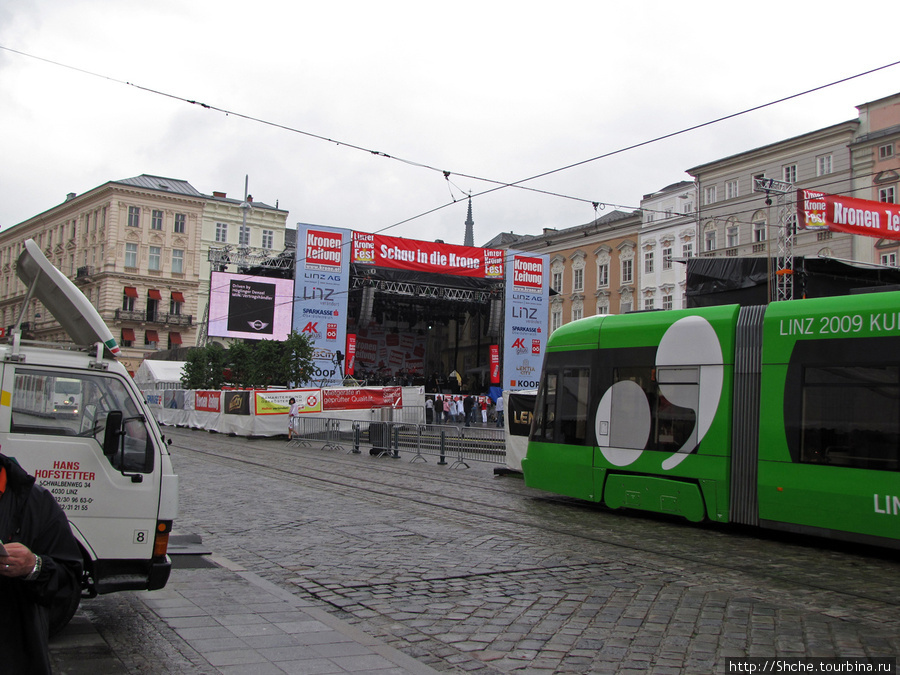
(258, 364)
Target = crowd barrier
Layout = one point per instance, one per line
(447, 444)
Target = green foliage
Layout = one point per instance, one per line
(252, 364)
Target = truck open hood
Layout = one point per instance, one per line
(63, 299)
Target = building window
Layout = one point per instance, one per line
(244, 235)
(177, 261)
(556, 284)
(667, 302)
(886, 151)
(128, 300)
(153, 262)
(577, 313)
(648, 262)
(760, 232)
(687, 208)
(823, 165)
(789, 172)
(180, 219)
(889, 259)
(687, 249)
(130, 255)
(667, 258)
(887, 194)
(709, 239)
(156, 220)
(222, 232)
(555, 319)
(602, 275)
(602, 309)
(577, 280)
(268, 239)
(627, 271)
(175, 306)
(134, 216)
(709, 195)
(731, 236)
(648, 303)
(731, 189)
(625, 306)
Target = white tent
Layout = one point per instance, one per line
(159, 375)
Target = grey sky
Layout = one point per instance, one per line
(502, 90)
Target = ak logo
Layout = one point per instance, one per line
(689, 374)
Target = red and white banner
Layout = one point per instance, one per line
(820, 211)
(350, 361)
(427, 256)
(495, 364)
(208, 401)
(363, 399)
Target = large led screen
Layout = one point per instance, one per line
(254, 308)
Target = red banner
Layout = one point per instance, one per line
(495, 364)
(427, 256)
(362, 399)
(208, 401)
(820, 211)
(350, 362)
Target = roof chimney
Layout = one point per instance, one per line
(220, 195)
(70, 196)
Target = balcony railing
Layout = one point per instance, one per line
(142, 317)
(177, 319)
(130, 315)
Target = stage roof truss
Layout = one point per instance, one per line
(421, 290)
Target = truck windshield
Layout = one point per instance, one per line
(39, 407)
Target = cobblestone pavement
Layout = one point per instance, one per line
(467, 572)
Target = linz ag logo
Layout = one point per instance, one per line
(331, 331)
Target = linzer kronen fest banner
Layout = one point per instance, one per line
(820, 211)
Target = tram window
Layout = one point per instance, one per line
(561, 410)
(77, 405)
(671, 424)
(849, 416)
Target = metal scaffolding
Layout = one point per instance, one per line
(784, 273)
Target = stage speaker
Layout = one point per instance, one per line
(368, 303)
(496, 317)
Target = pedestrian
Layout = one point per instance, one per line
(499, 410)
(429, 411)
(484, 409)
(468, 403)
(448, 400)
(293, 416)
(40, 566)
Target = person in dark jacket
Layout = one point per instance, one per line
(42, 566)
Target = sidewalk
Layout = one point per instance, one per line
(237, 622)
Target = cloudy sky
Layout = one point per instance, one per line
(485, 90)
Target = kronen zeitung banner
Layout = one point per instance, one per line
(821, 211)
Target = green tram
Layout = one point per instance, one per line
(784, 416)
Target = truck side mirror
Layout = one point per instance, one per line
(113, 432)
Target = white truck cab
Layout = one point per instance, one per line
(98, 449)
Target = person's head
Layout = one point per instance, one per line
(292, 401)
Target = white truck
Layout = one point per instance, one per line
(104, 459)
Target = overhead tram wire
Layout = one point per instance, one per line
(498, 184)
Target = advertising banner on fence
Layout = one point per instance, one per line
(321, 284)
(525, 334)
(236, 402)
(363, 399)
(278, 402)
(820, 211)
(427, 256)
(208, 401)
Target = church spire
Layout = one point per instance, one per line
(469, 239)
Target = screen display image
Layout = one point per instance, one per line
(255, 308)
